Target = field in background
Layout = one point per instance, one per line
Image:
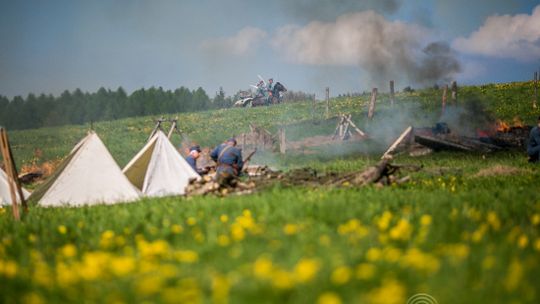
(467, 235)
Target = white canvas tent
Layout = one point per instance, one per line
(5, 196)
(159, 169)
(88, 176)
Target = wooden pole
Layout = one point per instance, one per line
(535, 101)
(443, 105)
(327, 102)
(454, 92)
(9, 173)
(403, 135)
(392, 95)
(371, 110)
(282, 141)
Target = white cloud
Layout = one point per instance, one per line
(244, 42)
(505, 36)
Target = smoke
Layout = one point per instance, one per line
(383, 49)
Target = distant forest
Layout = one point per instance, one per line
(79, 107)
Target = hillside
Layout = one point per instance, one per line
(476, 106)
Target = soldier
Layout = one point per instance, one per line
(269, 91)
(194, 153)
(533, 148)
(229, 161)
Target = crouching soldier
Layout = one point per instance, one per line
(191, 159)
(533, 148)
(229, 161)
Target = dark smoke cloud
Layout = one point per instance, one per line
(383, 49)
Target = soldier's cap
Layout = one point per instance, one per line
(232, 139)
(195, 148)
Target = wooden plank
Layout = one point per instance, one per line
(355, 127)
(396, 143)
(439, 144)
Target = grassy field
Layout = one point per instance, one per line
(470, 235)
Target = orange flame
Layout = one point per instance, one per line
(502, 126)
(518, 123)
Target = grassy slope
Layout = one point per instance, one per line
(458, 237)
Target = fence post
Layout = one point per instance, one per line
(454, 92)
(392, 95)
(327, 102)
(371, 110)
(443, 105)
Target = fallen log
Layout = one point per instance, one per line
(396, 143)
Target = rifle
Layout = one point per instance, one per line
(248, 158)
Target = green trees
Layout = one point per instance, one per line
(80, 107)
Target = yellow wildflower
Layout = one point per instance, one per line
(329, 298)
(391, 292)
(8, 268)
(62, 229)
(282, 279)
(493, 220)
(523, 241)
(220, 288)
(237, 232)
(186, 256)
(33, 298)
(177, 229)
(290, 229)
(122, 266)
(262, 268)
(402, 230)
(191, 221)
(488, 262)
(426, 220)
(306, 269)
(224, 218)
(341, 275)
(223, 240)
(365, 271)
(384, 221)
(535, 219)
(68, 250)
(373, 254)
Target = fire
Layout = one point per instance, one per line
(502, 126)
(518, 123)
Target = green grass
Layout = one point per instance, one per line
(460, 237)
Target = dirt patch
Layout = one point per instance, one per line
(498, 170)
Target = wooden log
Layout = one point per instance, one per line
(396, 143)
(454, 92)
(371, 110)
(443, 104)
(371, 174)
(355, 127)
(392, 94)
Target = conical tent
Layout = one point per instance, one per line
(88, 176)
(158, 169)
(5, 196)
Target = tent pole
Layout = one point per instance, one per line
(7, 162)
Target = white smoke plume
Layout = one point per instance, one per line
(505, 36)
(384, 49)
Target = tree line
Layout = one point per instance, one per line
(79, 107)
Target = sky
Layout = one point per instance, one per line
(349, 46)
